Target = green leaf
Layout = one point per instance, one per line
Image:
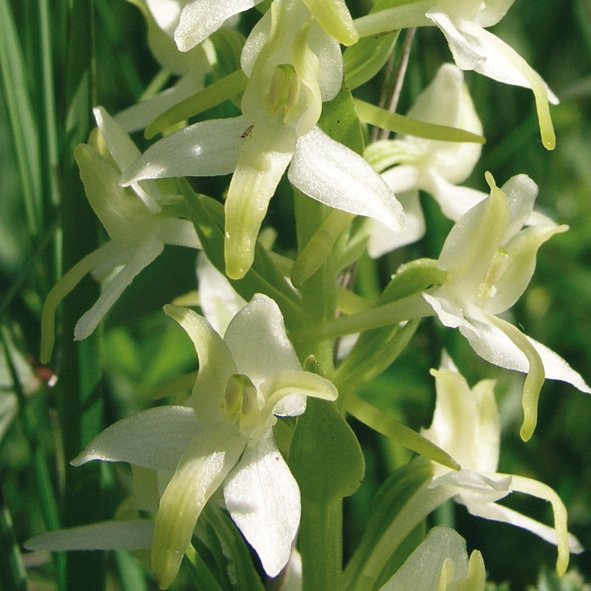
(325, 456)
(390, 500)
(229, 550)
(366, 58)
(340, 121)
(202, 575)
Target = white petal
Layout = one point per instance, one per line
(557, 368)
(140, 115)
(207, 148)
(383, 239)
(423, 568)
(256, 336)
(141, 258)
(401, 178)
(454, 201)
(338, 177)
(166, 13)
(330, 61)
(108, 535)
(496, 512)
(465, 422)
(475, 488)
(179, 233)
(493, 345)
(155, 439)
(200, 18)
(263, 499)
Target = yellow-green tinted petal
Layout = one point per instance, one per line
(202, 468)
(335, 19)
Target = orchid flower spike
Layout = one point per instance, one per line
(409, 163)
(464, 24)
(466, 425)
(190, 22)
(222, 438)
(139, 222)
(489, 259)
(293, 66)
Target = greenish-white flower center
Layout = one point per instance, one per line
(284, 90)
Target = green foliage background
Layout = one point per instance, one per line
(140, 349)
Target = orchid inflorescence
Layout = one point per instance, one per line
(275, 382)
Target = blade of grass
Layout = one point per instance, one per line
(79, 402)
(44, 488)
(11, 565)
(21, 117)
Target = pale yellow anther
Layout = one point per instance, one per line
(487, 288)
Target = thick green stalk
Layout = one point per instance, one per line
(321, 545)
(321, 524)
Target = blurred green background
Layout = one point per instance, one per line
(140, 349)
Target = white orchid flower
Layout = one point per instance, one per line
(223, 438)
(293, 66)
(139, 222)
(191, 67)
(489, 260)
(466, 425)
(191, 22)
(410, 163)
(440, 563)
(464, 24)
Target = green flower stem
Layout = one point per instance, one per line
(213, 95)
(408, 308)
(398, 432)
(321, 545)
(318, 248)
(321, 533)
(401, 124)
(319, 289)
